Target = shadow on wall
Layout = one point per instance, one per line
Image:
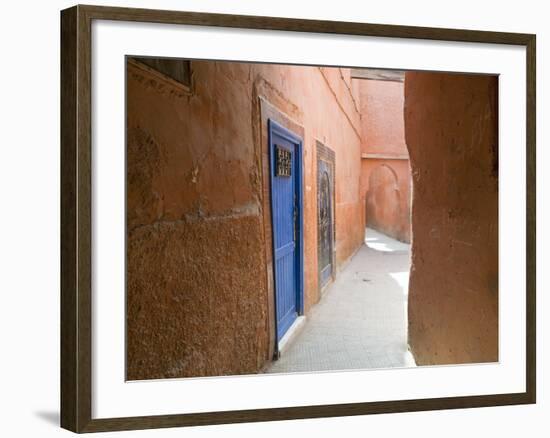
(383, 203)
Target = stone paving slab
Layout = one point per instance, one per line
(361, 320)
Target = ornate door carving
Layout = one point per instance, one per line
(325, 213)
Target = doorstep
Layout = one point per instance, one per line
(294, 330)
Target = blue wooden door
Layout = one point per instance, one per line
(286, 213)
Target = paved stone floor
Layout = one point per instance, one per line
(361, 320)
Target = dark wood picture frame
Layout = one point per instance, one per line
(76, 176)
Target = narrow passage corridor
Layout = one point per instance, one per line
(361, 320)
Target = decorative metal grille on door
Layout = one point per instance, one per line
(325, 228)
(325, 221)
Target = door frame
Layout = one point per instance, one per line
(274, 127)
(326, 154)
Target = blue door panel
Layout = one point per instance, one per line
(286, 214)
(286, 294)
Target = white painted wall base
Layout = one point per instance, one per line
(291, 334)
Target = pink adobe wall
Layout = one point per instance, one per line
(452, 133)
(385, 180)
(383, 127)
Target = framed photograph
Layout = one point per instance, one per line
(270, 218)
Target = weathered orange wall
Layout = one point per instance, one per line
(198, 244)
(385, 175)
(451, 129)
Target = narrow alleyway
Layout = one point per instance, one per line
(361, 320)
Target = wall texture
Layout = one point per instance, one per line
(451, 131)
(385, 174)
(200, 288)
(194, 231)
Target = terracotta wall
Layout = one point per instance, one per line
(385, 174)
(196, 209)
(451, 131)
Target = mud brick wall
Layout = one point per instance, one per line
(452, 136)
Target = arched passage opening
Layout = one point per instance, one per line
(387, 207)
